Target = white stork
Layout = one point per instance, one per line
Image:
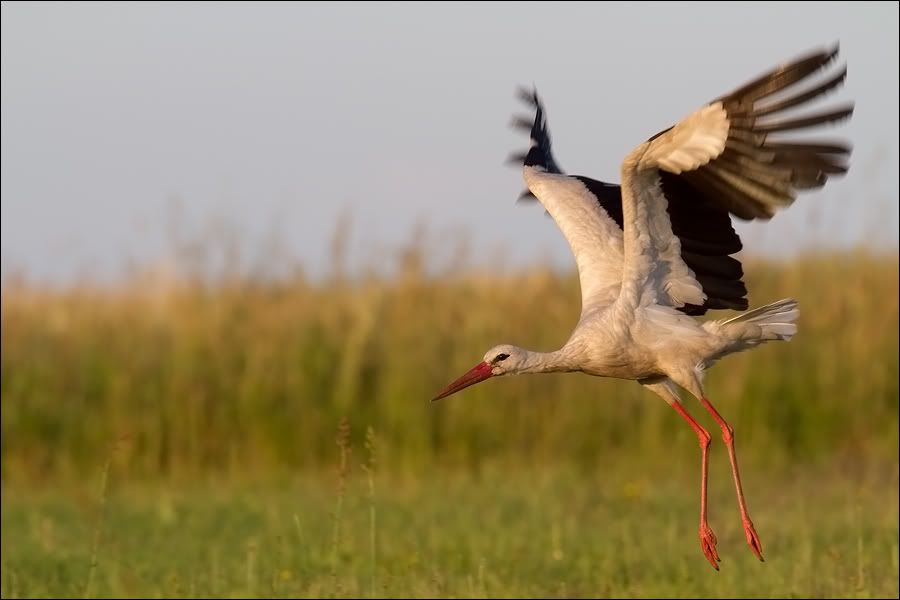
(655, 251)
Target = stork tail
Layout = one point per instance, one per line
(772, 322)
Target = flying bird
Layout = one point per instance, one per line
(655, 251)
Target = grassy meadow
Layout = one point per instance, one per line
(268, 438)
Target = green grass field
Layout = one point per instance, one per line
(178, 438)
(533, 532)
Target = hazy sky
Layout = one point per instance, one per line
(123, 122)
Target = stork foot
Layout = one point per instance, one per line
(753, 539)
(708, 545)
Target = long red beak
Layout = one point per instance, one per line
(478, 373)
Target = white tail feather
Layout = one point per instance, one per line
(777, 320)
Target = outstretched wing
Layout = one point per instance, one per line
(724, 158)
(588, 212)
(705, 232)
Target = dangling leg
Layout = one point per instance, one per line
(707, 537)
(728, 438)
(692, 383)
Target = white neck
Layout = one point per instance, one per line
(561, 360)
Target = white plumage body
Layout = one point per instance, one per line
(632, 331)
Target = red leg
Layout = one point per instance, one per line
(728, 438)
(707, 537)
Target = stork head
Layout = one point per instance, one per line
(499, 360)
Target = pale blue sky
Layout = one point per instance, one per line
(277, 117)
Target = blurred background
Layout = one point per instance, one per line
(244, 244)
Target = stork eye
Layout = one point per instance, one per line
(501, 357)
